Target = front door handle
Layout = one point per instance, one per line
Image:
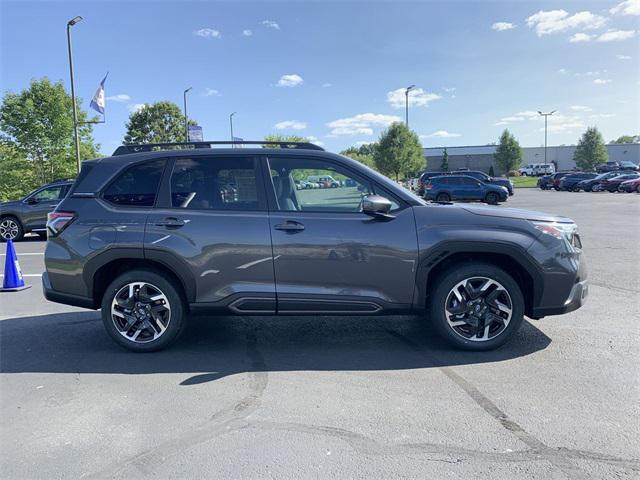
(170, 222)
(290, 226)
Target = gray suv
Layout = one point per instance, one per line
(156, 233)
(29, 214)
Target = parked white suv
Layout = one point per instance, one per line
(537, 169)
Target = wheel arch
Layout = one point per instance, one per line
(512, 259)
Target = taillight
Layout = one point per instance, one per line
(58, 221)
(428, 186)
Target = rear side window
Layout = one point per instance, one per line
(137, 186)
(215, 184)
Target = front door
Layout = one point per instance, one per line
(212, 224)
(39, 204)
(328, 255)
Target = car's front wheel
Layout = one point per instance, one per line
(11, 229)
(443, 197)
(476, 306)
(142, 311)
(492, 198)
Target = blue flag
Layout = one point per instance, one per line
(97, 102)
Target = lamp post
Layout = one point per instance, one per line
(545, 115)
(231, 125)
(186, 119)
(406, 104)
(76, 138)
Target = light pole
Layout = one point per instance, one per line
(231, 125)
(76, 139)
(545, 115)
(406, 104)
(186, 119)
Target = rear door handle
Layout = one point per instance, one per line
(290, 226)
(170, 222)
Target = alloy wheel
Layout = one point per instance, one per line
(9, 229)
(478, 309)
(140, 312)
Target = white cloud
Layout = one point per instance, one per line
(502, 26)
(589, 74)
(315, 140)
(417, 98)
(361, 124)
(290, 125)
(121, 97)
(623, 57)
(135, 107)
(530, 114)
(579, 37)
(564, 125)
(271, 24)
(616, 35)
(563, 71)
(497, 124)
(327, 85)
(628, 7)
(449, 89)
(511, 119)
(554, 21)
(211, 92)
(601, 81)
(207, 33)
(291, 80)
(602, 115)
(580, 108)
(247, 32)
(441, 134)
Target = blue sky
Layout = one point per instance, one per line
(332, 70)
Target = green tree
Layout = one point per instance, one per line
(160, 122)
(37, 127)
(362, 154)
(508, 154)
(492, 173)
(17, 177)
(444, 166)
(399, 152)
(591, 150)
(626, 139)
(282, 138)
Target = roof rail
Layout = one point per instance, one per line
(150, 147)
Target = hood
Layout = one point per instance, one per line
(518, 213)
(9, 204)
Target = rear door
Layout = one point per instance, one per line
(212, 225)
(328, 255)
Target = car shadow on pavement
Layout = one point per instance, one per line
(216, 347)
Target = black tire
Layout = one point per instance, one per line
(443, 288)
(177, 311)
(443, 197)
(588, 189)
(11, 228)
(492, 198)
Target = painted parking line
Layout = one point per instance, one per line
(27, 275)
(23, 254)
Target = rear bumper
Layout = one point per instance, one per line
(64, 298)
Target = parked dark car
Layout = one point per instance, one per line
(464, 187)
(483, 177)
(147, 237)
(627, 165)
(608, 167)
(29, 214)
(570, 182)
(612, 184)
(556, 177)
(424, 179)
(545, 182)
(629, 186)
(593, 184)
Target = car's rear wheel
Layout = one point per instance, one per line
(476, 306)
(142, 311)
(443, 197)
(492, 198)
(11, 229)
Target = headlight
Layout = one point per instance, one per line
(561, 231)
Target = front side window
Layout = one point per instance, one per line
(137, 186)
(313, 185)
(48, 194)
(214, 184)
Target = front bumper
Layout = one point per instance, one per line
(577, 298)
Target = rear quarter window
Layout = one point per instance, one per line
(137, 186)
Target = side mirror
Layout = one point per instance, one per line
(377, 206)
(32, 201)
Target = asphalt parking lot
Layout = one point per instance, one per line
(262, 397)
